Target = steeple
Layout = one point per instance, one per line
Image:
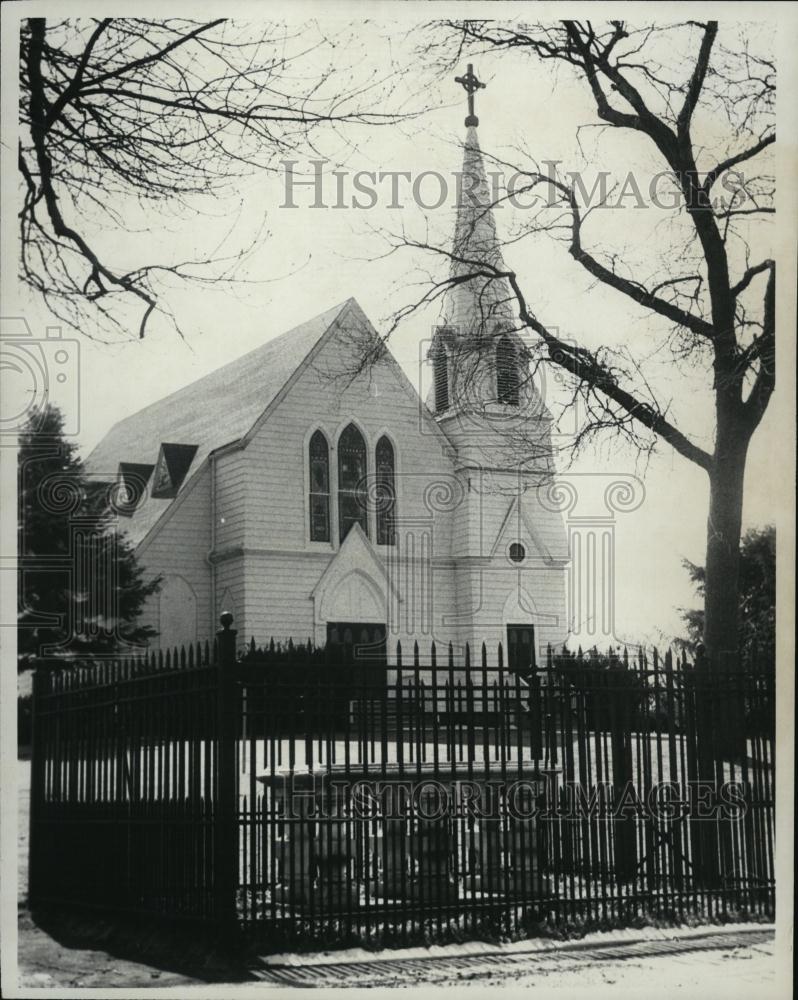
(476, 354)
(478, 305)
(475, 306)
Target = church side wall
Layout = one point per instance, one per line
(230, 475)
(279, 604)
(181, 613)
(229, 585)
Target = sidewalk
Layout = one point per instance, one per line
(701, 962)
(704, 963)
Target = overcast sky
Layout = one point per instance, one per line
(307, 259)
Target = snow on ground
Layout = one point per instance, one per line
(726, 973)
(531, 945)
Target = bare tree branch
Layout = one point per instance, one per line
(118, 111)
(657, 81)
(732, 161)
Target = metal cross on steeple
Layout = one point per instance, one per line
(471, 85)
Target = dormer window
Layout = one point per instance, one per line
(133, 478)
(174, 461)
(506, 372)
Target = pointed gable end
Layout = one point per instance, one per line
(173, 463)
(133, 478)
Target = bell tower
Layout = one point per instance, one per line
(509, 551)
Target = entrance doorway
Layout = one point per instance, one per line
(521, 649)
(362, 647)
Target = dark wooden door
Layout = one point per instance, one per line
(362, 647)
(521, 649)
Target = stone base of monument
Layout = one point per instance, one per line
(415, 890)
(337, 895)
(513, 884)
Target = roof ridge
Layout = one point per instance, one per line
(334, 313)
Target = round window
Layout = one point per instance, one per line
(517, 552)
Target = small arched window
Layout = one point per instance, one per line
(506, 372)
(352, 485)
(319, 456)
(441, 375)
(386, 493)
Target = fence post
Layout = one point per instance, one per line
(226, 805)
(36, 785)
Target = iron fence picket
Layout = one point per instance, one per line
(160, 776)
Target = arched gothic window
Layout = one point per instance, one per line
(352, 491)
(386, 493)
(319, 456)
(441, 375)
(506, 372)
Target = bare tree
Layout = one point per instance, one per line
(717, 303)
(116, 112)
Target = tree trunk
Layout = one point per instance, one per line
(721, 589)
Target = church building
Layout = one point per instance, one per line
(308, 489)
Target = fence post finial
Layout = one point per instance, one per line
(225, 794)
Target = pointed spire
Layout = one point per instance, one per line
(477, 355)
(478, 305)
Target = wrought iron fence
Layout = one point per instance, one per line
(291, 794)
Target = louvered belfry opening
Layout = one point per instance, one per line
(441, 374)
(507, 381)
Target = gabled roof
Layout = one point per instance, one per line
(217, 410)
(201, 413)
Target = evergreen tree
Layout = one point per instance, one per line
(757, 618)
(81, 588)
